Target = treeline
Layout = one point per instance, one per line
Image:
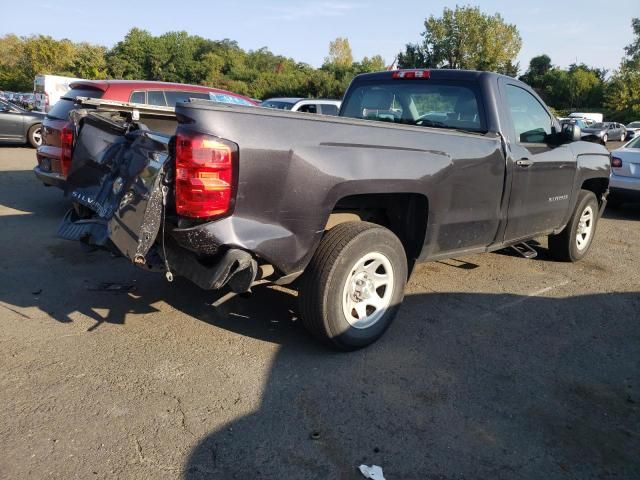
(183, 58)
(463, 37)
(467, 38)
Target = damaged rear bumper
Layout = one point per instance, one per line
(233, 267)
(120, 184)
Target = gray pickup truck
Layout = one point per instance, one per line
(419, 165)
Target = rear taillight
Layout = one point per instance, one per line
(411, 74)
(616, 162)
(66, 148)
(204, 175)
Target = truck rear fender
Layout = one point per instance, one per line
(592, 173)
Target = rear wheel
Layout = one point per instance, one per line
(622, 136)
(34, 136)
(605, 139)
(573, 243)
(354, 285)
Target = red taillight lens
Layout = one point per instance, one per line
(616, 162)
(66, 148)
(411, 74)
(204, 175)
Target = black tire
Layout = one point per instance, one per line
(564, 246)
(324, 283)
(34, 136)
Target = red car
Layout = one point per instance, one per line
(53, 165)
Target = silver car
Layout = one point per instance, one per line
(605, 131)
(633, 129)
(625, 173)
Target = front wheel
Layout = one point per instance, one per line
(622, 136)
(34, 136)
(573, 243)
(354, 285)
(605, 138)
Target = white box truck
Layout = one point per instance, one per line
(49, 88)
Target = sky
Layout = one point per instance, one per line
(588, 31)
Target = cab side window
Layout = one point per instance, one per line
(310, 108)
(138, 97)
(531, 122)
(156, 97)
(329, 109)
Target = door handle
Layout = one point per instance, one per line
(524, 162)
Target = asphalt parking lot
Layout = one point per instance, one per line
(497, 367)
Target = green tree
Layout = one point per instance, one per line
(413, 57)
(466, 38)
(622, 94)
(129, 58)
(538, 67)
(89, 61)
(340, 53)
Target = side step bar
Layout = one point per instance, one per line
(526, 250)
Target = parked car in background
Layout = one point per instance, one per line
(633, 130)
(53, 167)
(49, 88)
(308, 105)
(18, 125)
(625, 173)
(28, 101)
(590, 117)
(607, 131)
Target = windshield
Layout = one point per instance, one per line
(226, 98)
(635, 143)
(277, 104)
(598, 125)
(634, 125)
(416, 102)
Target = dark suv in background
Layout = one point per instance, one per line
(53, 154)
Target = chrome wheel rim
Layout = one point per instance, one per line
(367, 291)
(37, 136)
(605, 138)
(585, 228)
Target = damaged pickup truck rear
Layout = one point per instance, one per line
(420, 165)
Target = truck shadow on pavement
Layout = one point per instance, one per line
(626, 211)
(462, 386)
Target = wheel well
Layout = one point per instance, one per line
(596, 185)
(405, 214)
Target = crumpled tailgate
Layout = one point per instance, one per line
(117, 176)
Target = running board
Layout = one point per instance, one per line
(526, 250)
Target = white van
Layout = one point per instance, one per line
(594, 117)
(48, 90)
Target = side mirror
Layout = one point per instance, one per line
(571, 132)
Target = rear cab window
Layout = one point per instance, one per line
(448, 105)
(66, 103)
